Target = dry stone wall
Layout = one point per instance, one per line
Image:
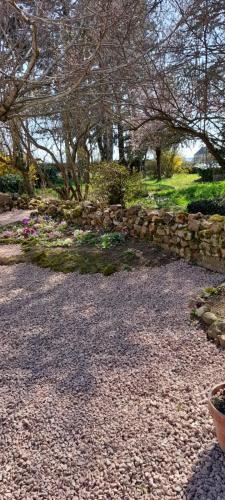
(195, 237)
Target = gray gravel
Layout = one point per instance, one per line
(103, 386)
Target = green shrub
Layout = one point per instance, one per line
(103, 241)
(171, 163)
(51, 175)
(86, 237)
(114, 184)
(11, 183)
(207, 207)
(109, 182)
(111, 239)
(207, 172)
(135, 188)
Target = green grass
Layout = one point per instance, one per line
(178, 191)
(47, 193)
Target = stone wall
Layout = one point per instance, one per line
(196, 238)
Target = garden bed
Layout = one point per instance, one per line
(66, 248)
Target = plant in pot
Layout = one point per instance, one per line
(216, 405)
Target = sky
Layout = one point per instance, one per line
(187, 151)
(190, 150)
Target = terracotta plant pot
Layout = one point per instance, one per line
(218, 417)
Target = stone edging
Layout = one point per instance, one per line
(214, 324)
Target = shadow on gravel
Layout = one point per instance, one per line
(207, 482)
(73, 331)
(69, 334)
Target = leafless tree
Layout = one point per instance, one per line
(182, 83)
(49, 50)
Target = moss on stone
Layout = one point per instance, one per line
(205, 234)
(211, 291)
(109, 269)
(217, 218)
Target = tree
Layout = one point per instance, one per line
(17, 155)
(49, 50)
(155, 136)
(182, 83)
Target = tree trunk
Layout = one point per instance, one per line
(121, 145)
(27, 184)
(41, 174)
(105, 142)
(215, 152)
(158, 153)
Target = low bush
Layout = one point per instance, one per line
(207, 207)
(104, 241)
(135, 188)
(150, 169)
(113, 184)
(207, 171)
(108, 182)
(51, 175)
(11, 183)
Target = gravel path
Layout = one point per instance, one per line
(103, 386)
(10, 251)
(13, 216)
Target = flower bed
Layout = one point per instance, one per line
(63, 246)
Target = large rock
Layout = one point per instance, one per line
(208, 318)
(220, 324)
(213, 332)
(222, 341)
(194, 225)
(201, 310)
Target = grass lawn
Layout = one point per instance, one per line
(174, 193)
(178, 191)
(47, 193)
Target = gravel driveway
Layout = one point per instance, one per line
(103, 386)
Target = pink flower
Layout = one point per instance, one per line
(29, 231)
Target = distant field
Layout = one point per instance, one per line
(178, 191)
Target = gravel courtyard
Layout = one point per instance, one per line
(104, 386)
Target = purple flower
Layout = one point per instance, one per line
(26, 221)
